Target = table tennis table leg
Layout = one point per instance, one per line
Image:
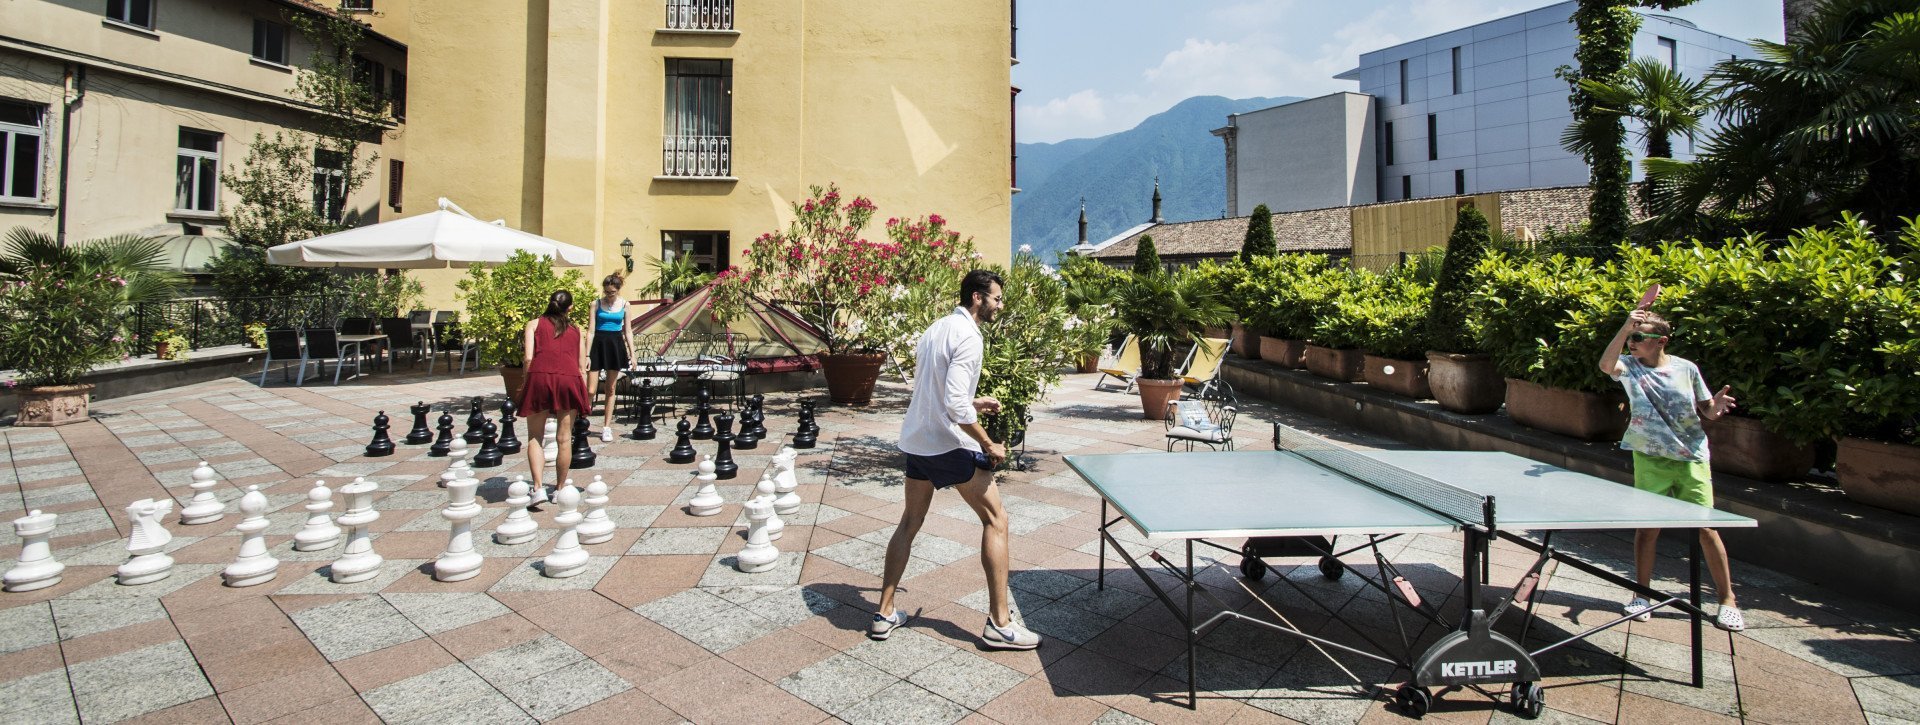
(1103, 545)
(1693, 582)
(1469, 570)
(1193, 693)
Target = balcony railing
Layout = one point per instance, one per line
(700, 14)
(697, 156)
(214, 321)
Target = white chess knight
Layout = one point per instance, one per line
(358, 562)
(783, 476)
(459, 562)
(37, 568)
(319, 532)
(596, 528)
(707, 500)
(550, 440)
(253, 565)
(567, 558)
(786, 502)
(147, 563)
(519, 528)
(763, 493)
(203, 508)
(760, 554)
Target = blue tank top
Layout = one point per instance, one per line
(606, 320)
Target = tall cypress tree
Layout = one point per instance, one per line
(1606, 29)
(1146, 260)
(1259, 242)
(1446, 317)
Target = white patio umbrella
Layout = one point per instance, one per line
(448, 237)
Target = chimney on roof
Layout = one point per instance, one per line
(1083, 220)
(1156, 202)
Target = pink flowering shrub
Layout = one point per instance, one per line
(58, 323)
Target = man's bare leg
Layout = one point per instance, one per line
(919, 499)
(984, 497)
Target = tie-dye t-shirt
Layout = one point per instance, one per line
(1663, 418)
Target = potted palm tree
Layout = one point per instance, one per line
(501, 299)
(1166, 312)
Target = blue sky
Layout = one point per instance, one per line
(1093, 67)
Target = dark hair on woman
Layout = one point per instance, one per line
(558, 304)
(614, 279)
(981, 281)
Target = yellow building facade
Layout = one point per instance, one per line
(690, 125)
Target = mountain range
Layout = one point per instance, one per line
(1115, 174)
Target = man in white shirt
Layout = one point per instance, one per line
(947, 448)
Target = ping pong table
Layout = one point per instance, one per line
(1309, 492)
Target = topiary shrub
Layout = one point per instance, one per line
(1446, 320)
(1146, 260)
(1259, 241)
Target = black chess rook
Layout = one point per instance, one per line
(420, 433)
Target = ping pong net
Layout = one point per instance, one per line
(1459, 504)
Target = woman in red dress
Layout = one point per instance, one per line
(556, 364)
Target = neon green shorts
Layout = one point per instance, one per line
(1690, 481)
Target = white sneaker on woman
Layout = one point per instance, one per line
(606, 435)
(1012, 636)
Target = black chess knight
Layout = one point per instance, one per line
(474, 421)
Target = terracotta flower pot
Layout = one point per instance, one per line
(1088, 364)
(514, 378)
(850, 376)
(1347, 366)
(1244, 344)
(1744, 447)
(1586, 416)
(161, 350)
(1880, 474)
(1154, 395)
(1465, 382)
(50, 405)
(1290, 354)
(1407, 378)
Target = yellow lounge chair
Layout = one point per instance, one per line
(1204, 369)
(1125, 365)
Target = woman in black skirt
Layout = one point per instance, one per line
(612, 343)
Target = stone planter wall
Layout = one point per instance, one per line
(1881, 474)
(1744, 447)
(1347, 366)
(1572, 413)
(1408, 378)
(1290, 354)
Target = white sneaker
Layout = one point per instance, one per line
(1730, 619)
(1012, 636)
(882, 627)
(1640, 609)
(606, 435)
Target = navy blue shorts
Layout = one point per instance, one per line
(948, 469)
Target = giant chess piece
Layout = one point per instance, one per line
(456, 461)
(146, 562)
(582, 455)
(519, 527)
(723, 464)
(759, 407)
(806, 435)
(783, 463)
(474, 420)
(459, 562)
(645, 430)
(253, 565)
(786, 501)
(509, 443)
(442, 444)
(703, 407)
(567, 558)
(707, 500)
(420, 433)
(682, 448)
(760, 555)
(550, 440)
(810, 417)
(37, 569)
(763, 493)
(381, 445)
(203, 508)
(596, 528)
(319, 532)
(358, 563)
(490, 453)
(746, 439)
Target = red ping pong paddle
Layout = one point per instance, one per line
(1646, 300)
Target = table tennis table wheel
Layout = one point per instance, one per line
(1252, 567)
(1331, 568)
(1415, 702)
(1528, 699)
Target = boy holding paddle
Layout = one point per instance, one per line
(1668, 399)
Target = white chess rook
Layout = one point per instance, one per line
(319, 532)
(253, 565)
(203, 508)
(707, 500)
(519, 527)
(567, 558)
(147, 563)
(760, 554)
(358, 562)
(459, 562)
(596, 528)
(37, 569)
(763, 493)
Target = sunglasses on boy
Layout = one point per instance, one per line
(1644, 336)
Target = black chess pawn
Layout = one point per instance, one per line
(758, 406)
(809, 418)
(582, 455)
(490, 454)
(703, 406)
(508, 443)
(746, 439)
(420, 433)
(805, 436)
(682, 449)
(723, 465)
(474, 421)
(445, 442)
(381, 445)
(645, 431)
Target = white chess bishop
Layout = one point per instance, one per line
(147, 564)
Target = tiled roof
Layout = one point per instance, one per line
(1207, 237)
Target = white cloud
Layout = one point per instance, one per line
(1067, 117)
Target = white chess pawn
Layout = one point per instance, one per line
(37, 569)
(253, 565)
(456, 458)
(550, 441)
(786, 502)
(596, 528)
(319, 532)
(203, 508)
(707, 500)
(519, 526)
(763, 493)
(760, 554)
(567, 558)
(783, 462)
(147, 564)
(358, 562)
(459, 562)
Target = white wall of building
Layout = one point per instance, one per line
(1327, 160)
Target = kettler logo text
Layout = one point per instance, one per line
(1478, 669)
